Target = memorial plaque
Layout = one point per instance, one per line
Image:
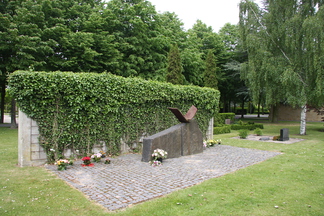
(284, 134)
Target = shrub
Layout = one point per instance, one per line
(222, 129)
(243, 133)
(258, 132)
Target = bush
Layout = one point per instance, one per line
(222, 129)
(258, 132)
(243, 134)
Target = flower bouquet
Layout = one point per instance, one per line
(86, 161)
(155, 163)
(96, 157)
(211, 143)
(107, 161)
(103, 154)
(63, 163)
(158, 156)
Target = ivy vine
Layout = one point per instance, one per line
(77, 110)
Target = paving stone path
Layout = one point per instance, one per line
(128, 181)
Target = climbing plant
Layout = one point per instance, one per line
(77, 110)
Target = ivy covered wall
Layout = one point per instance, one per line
(77, 110)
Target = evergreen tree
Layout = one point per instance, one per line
(174, 69)
(210, 75)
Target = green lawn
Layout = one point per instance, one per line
(289, 184)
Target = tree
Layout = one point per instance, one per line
(32, 33)
(230, 85)
(137, 31)
(174, 69)
(207, 40)
(210, 75)
(284, 44)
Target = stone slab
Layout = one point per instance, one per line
(179, 140)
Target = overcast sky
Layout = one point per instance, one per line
(214, 13)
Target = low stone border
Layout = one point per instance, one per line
(264, 139)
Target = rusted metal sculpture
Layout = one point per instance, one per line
(184, 118)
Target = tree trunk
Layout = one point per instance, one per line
(242, 114)
(273, 117)
(259, 104)
(2, 102)
(13, 114)
(303, 120)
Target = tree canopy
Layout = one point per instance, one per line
(284, 41)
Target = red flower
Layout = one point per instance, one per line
(86, 158)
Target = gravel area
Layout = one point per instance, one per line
(127, 180)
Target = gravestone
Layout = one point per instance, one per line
(284, 134)
(228, 121)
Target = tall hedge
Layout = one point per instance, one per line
(219, 118)
(77, 110)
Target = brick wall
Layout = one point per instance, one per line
(287, 113)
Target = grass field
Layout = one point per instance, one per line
(289, 184)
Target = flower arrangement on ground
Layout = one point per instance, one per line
(63, 163)
(159, 154)
(211, 143)
(155, 163)
(157, 157)
(96, 157)
(107, 161)
(103, 154)
(86, 161)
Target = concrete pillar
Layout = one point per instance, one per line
(30, 153)
(210, 130)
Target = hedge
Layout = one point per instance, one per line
(77, 110)
(223, 129)
(219, 119)
(246, 126)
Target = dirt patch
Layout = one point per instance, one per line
(269, 139)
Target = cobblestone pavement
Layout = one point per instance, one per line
(128, 181)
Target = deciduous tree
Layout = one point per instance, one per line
(284, 42)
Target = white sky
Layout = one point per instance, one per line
(214, 13)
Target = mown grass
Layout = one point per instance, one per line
(288, 184)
